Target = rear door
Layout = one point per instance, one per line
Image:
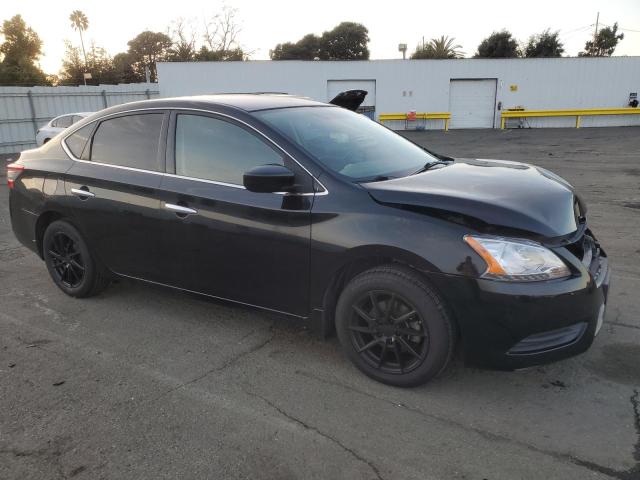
(221, 239)
(114, 184)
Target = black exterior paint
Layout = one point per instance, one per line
(293, 252)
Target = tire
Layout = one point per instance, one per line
(70, 263)
(383, 338)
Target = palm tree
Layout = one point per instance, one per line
(439, 48)
(80, 22)
(444, 47)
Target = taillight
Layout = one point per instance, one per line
(13, 172)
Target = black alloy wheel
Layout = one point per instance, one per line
(66, 260)
(394, 326)
(388, 332)
(71, 266)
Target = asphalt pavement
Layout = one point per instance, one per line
(143, 382)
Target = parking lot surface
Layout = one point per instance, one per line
(147, 383)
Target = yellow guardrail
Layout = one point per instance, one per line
(566, 113)
(446, 116)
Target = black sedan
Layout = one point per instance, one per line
(314, 211)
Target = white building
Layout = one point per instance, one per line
(473, 90)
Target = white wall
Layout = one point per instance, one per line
(24, 109)
(546, 83)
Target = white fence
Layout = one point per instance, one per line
(24, 109)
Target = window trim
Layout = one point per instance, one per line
(165, 140)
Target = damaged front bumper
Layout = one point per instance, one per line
(511, 325)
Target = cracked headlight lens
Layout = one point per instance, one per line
(517, 260)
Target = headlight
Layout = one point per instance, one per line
(517, 260)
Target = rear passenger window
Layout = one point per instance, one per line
(218, 150)
(130, 141)
(63, 122)
(78, 141)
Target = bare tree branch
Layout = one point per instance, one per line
(221, 31)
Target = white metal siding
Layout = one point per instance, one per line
(472, 103)
(423, 85)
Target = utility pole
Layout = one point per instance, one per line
(595, 34)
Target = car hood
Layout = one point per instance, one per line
(350, 99)
(495, 192)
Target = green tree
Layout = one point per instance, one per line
(19, 52)
(123, 65)
(307, 48)
(98, 62)
(545, 44)
(80, 22)
(347, 41)
(498, 45)
(206, 55)
(604, 43)
(148, 48)
(438, 48)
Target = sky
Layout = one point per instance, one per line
(265, 23)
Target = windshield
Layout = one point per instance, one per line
(348, 143)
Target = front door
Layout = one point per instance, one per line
(221, 239)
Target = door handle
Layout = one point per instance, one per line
(80, 192)
(180, 210)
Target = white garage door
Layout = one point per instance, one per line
(472, 103)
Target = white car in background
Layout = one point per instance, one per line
(57, 125)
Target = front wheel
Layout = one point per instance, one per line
(394, 327)
(70, 264)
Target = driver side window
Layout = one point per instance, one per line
(214, 149)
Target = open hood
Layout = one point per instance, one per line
(350, 99)
(498, 193)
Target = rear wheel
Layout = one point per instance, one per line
(70, 264)
(393, 326)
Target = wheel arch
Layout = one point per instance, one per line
(44, 220)
(355, 262)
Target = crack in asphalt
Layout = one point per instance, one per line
(632, 474)
(319, 432)
(626, 325)
(635, 403)
(220, 368)
(51, 454)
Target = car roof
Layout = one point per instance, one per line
(249, 102)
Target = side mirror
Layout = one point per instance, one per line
(268, 179)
